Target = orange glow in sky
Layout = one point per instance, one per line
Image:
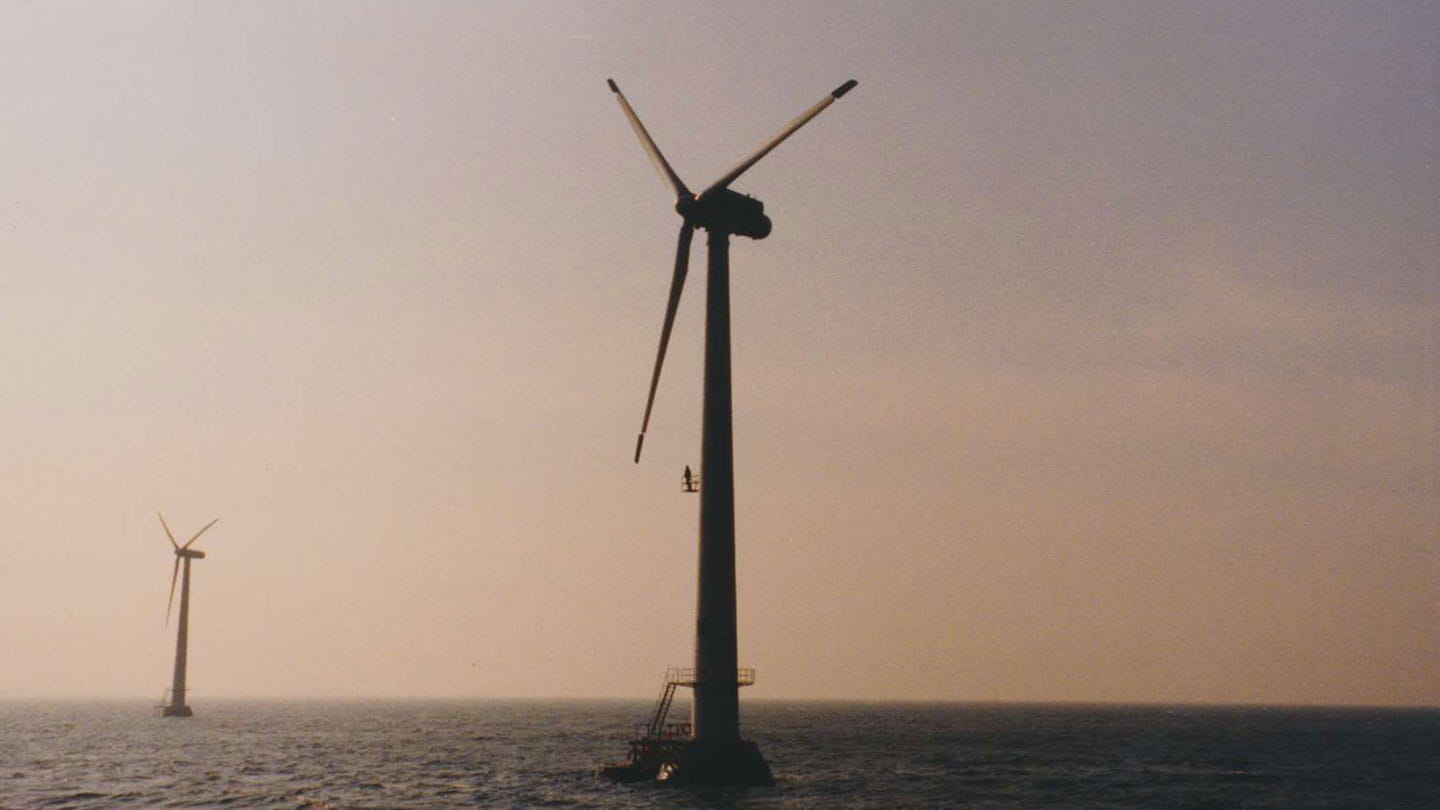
(1093, 357)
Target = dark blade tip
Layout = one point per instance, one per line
(639, 443)
(839, 91)
(615, 89)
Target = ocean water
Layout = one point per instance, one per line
(236, 754)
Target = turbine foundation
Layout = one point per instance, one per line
(732, 763)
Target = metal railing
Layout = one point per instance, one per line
(744, 676)
(682, 676)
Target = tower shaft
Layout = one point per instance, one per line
(717, 704)
(716, 755)
(178, 707)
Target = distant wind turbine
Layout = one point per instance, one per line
(177, 706)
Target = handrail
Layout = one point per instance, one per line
(744, 676)
(682, 676)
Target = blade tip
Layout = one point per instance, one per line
(639, 443)
(842, 89)
(613, 88)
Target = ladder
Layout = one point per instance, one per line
(678, 677)
(674, 678)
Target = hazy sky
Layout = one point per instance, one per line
(1095, 354)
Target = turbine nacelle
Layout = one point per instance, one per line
(727, 211)
(190, 553)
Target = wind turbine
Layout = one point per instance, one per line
(177, 706)
(715, 754)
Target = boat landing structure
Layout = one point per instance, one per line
(660, 747)
(171, 705)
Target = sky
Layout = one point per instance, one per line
(1095, 354)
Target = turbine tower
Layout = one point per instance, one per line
(177, 706)
(715, 754)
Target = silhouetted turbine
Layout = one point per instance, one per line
(177, 706)
(716, 754)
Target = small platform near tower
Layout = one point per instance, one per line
(170, 707)
(666, 752)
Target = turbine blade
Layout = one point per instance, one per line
(167, 531)
(197, 534)
(677, 285)
(170, 603)
(789, 130)
(649, 143)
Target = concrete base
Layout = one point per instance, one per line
(733, 764)
(173, 710)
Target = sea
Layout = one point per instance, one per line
(527, 753)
